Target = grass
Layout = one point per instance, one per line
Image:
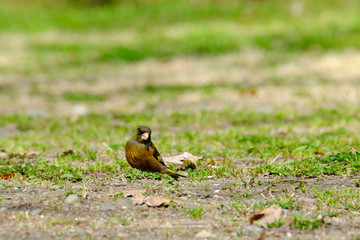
(338, 199)
(252, 138)
(334, 164)
(57, 61)
(196, 212)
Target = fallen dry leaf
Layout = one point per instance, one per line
(255, 217)
(138, 198)
(157, 201)
(319, 153)
(180, 159)
(7, 175)
(353, 151)
(68, 152)
(29, 154)
(267, 216)
(32, 153)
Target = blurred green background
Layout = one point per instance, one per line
(137, 30)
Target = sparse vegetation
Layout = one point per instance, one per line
(265, 91)
(196, 212)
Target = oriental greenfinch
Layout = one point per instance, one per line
(142, 154)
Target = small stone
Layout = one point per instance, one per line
(107, 207)
(204, 234)
(252, 228)
(77, 205)
(122, 235)
(36, 211)
(183, 198)
(72, 199)
(125, 204)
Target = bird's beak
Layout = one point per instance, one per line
(145, 136)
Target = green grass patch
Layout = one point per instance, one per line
(338, 199)
(84, 97)
(196, 212)
(247, 134)
(335, 164)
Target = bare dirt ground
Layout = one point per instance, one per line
(42, 211)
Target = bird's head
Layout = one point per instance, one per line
(143, 134)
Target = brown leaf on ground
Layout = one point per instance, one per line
(157, 201)
(269, 215)
(29, 154)
(319, 153)
(136, 196)
(7, 175)
(138, 199)
(68, 152)
(255, 217)
(353, 151)
(32, 154)
(182, 159)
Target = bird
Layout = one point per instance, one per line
(142, 154)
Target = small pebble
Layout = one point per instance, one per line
(252, 228)
(125, 203)
(72, 199)
(183, 198)
(36, 211)
(107, 207)
(204, 234)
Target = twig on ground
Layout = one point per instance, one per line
(275, 158)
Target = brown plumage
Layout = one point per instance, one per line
(142, 154)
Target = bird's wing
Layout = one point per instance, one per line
(157, 155)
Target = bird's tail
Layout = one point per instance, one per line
(172, 174)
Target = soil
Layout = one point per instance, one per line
(42, 211)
